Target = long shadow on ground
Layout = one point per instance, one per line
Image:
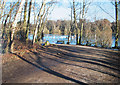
(38, 55)
(105, 53)
(109, 63)
(113, 65)
(48, 70)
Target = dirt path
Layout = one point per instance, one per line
(62, 64)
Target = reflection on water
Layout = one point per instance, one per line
(54, 38)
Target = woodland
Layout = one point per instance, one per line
(16, 23)
(36, 62)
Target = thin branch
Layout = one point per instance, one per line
(106, 12)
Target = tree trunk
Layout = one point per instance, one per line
(5, 33)
(8, 33)
(25, 18)
(2, 7)
(28, 23)
(75, 23)
(117, 24)
(37, 25)
(81, 30)
(71, 26)
(43, 21)
(14, 24)
(1, 10)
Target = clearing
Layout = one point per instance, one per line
(60, 64)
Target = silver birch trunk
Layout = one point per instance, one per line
(37, 25)
(14, 24)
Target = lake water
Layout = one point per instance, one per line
(113, 41)
(54, 38)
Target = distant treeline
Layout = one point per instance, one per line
(99, 31)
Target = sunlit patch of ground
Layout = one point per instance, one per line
(61, 64)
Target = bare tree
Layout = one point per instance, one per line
(28, 23)
(71, 26)
(117, 24)
(38, 21)
(75, 23)
(25, 18)
(115, 4)
(76, 6)
(14, 25)
(42, 18)
(2, 5)
(83, 12)
(8, 15)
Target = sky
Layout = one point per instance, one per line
(62, 10)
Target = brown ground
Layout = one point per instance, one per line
(60, 64)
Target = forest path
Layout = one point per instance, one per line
(62, 64)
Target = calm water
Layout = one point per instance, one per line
(54, 38)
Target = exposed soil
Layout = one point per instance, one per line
(60, 64)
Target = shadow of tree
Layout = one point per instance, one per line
(59, 61)
(105, 53)
(78, 58)
(113, 61)
(48, 70)
(61, 58)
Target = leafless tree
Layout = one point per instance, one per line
(83, 12)
(14, 25)
(28, 22)
(117, 23)
(42, 17)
